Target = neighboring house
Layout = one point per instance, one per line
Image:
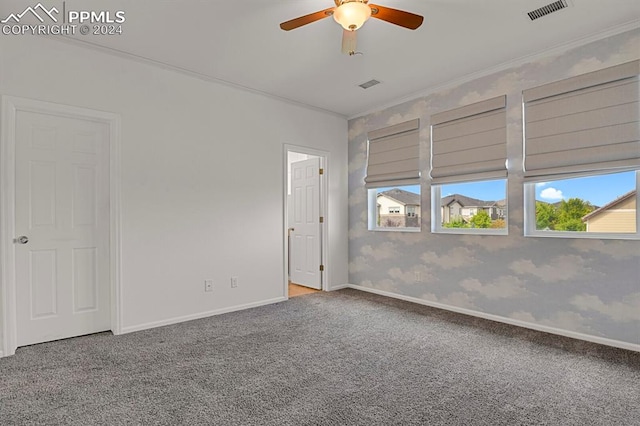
(398, 208)
(616, 216)
(460, 206)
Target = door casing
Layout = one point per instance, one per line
(324, 235)
(10, 106)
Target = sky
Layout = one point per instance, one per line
(598, 190)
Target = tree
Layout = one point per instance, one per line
(571, 225)
(455, 222)
(480, 220)
(546, 215)
(570, 214)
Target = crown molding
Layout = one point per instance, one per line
(194, 74)
(556, 50)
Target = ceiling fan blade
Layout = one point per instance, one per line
(397, 17)
(306, 19)
(349, 40)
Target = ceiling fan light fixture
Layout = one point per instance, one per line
(352, 15)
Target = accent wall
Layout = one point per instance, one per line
(585, 288)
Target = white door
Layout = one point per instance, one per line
(305, 221)
(62, 208)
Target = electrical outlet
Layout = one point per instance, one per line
(417, 277)
(234, 282)
(208, 285)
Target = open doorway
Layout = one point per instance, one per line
(305, 220)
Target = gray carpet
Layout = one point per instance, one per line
(341, 358)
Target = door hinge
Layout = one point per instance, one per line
(321, 219)
(321, 268)
(321, 171)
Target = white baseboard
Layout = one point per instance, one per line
(511, 321)
(176, 320)
(7, 352)
(339, 287)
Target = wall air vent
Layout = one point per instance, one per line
(545, 10)
(369, 83)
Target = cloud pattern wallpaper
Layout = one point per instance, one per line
(585, 286)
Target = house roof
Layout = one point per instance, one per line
(401, 196)
(465, 201)
(607, 206)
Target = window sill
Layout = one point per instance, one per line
(470, 231)
(582, 235)
(396, 229)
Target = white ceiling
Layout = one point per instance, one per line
(240, 42)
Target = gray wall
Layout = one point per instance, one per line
(581, 286)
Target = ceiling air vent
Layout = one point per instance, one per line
(369, 83)
(545, 10)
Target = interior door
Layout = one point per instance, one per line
(305, 243)
(62, 226)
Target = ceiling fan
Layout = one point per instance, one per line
(352, 14)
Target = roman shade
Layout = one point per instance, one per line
(394, 155)
(583, 124)
(470, 143)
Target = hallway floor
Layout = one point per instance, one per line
(299, 290)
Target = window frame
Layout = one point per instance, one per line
(372, 213)
(436, 213)
(530, 212)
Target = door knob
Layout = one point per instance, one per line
(21, 240)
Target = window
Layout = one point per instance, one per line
(468, 169)
(599, 206)
(387, 215)
(582, 155)
(472, 207)
(393, 176)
